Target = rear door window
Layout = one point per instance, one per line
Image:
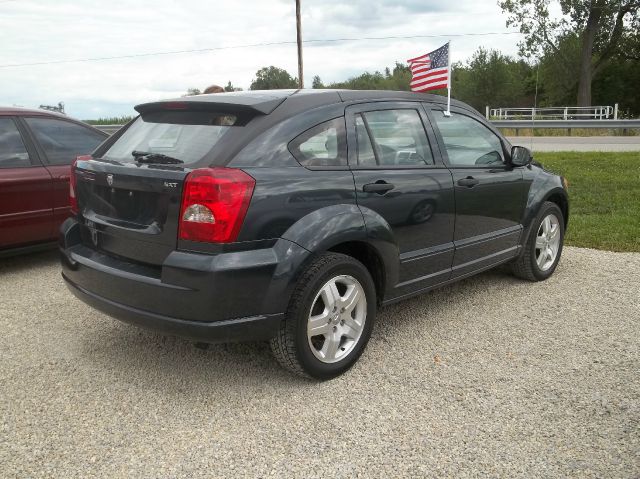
(13, 153)
(63, 140)
(388, 138)
(185, 135)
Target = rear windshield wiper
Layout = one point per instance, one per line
(157, 158)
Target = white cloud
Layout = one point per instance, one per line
(49, 30)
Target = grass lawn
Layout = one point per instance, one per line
(604, 191)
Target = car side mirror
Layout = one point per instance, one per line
(521, 156)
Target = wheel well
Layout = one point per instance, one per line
(562, 203)
(368, 256)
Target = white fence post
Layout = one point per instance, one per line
(486, 114)
(615, 111)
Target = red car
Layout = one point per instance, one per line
(37, 148)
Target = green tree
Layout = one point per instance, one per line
(396, 79)
(365, 81)
(491, 78)
(618, 83)
(317, 82)
(114, 120)
(606, 29)
(557, 73)
(400, 77)
(192, 91)
(272, 78)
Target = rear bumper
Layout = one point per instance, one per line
(231, 296)
(244, 329)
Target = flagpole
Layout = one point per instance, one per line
(448, 112)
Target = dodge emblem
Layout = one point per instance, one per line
(110, 180)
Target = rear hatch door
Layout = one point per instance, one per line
(129, 195)
(130, 211)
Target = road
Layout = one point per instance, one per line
(491, 377)
(578, 143)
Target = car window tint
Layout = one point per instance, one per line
(62, 140)
(13, 153)
(398, 137)
(322, 145)
(468, 142)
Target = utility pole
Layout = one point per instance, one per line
(299, 37)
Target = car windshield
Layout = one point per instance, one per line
(186, 136)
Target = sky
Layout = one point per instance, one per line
(36, 31)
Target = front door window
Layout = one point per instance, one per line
(468, 142)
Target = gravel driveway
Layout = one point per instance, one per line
(491, 377)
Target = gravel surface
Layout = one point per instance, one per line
(491, 377)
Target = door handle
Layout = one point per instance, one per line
(469, 181)
(380, 187)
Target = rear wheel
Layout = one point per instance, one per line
(544, 245)
(329, 319)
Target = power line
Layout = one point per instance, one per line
(251, 45)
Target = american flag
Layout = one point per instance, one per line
(430, 71)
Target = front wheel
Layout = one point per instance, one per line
(329, 319)
(544, 245)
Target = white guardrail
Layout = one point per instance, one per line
(567, 124)
(555, 113)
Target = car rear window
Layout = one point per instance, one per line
(187, 136)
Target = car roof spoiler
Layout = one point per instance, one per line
(252, 104)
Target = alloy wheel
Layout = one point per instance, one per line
(336, 319)
(548, 242)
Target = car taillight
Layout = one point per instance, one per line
(214, 204)
(73, 183)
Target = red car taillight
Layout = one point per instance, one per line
(73, 183)
(214, 204)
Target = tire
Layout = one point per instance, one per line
(530, 265)
(341, 340)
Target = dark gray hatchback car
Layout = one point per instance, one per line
(291, 216)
